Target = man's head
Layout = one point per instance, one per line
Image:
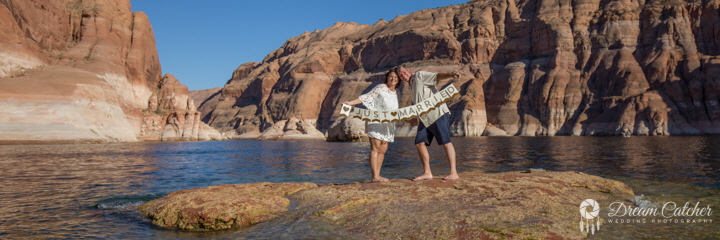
(404, 73)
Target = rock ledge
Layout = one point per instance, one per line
(533, 204)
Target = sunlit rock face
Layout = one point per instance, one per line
(529, 68)
(76, 71)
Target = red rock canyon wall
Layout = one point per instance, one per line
(78, 71)
(530, 68)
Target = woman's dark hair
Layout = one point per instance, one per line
(393, 70)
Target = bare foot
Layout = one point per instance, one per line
(380, 179)
(424, 177)
(452, 177)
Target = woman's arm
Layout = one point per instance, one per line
(368, 98)
(353, 102)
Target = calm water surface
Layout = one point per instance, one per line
(83, 191)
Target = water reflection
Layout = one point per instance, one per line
(78, 191)
(46, 187)
(692, 160)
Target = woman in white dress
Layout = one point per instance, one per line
(382, 98)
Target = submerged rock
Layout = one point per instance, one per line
(222, 206)
(536, 205)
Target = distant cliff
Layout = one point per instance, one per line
(530, 68)
(87, 71)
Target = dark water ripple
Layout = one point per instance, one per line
(87, 191)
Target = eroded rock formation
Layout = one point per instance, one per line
(530, 68)
(206, 100)
(172, 115)
(292, 129)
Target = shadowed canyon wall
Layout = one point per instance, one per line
(529, 68)
(85, 71)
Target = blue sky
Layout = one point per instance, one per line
(202, 42)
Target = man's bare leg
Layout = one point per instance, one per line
(450, 153)
(425, 159)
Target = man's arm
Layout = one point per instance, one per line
(445, 78)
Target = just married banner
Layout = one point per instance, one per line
(401, 114)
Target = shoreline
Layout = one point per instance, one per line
(71, 142)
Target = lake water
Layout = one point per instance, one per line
(83, 191)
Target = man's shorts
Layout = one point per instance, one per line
(440, 130)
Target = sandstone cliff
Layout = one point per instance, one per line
(77, 71)
(530, 68)
(206, 100)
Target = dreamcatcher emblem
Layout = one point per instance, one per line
(589, 220)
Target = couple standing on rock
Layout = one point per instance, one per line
(434, 124)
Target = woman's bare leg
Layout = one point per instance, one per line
(377, 154)
(381, 157)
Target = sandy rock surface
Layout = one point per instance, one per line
(222, 206)
(515, 205)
